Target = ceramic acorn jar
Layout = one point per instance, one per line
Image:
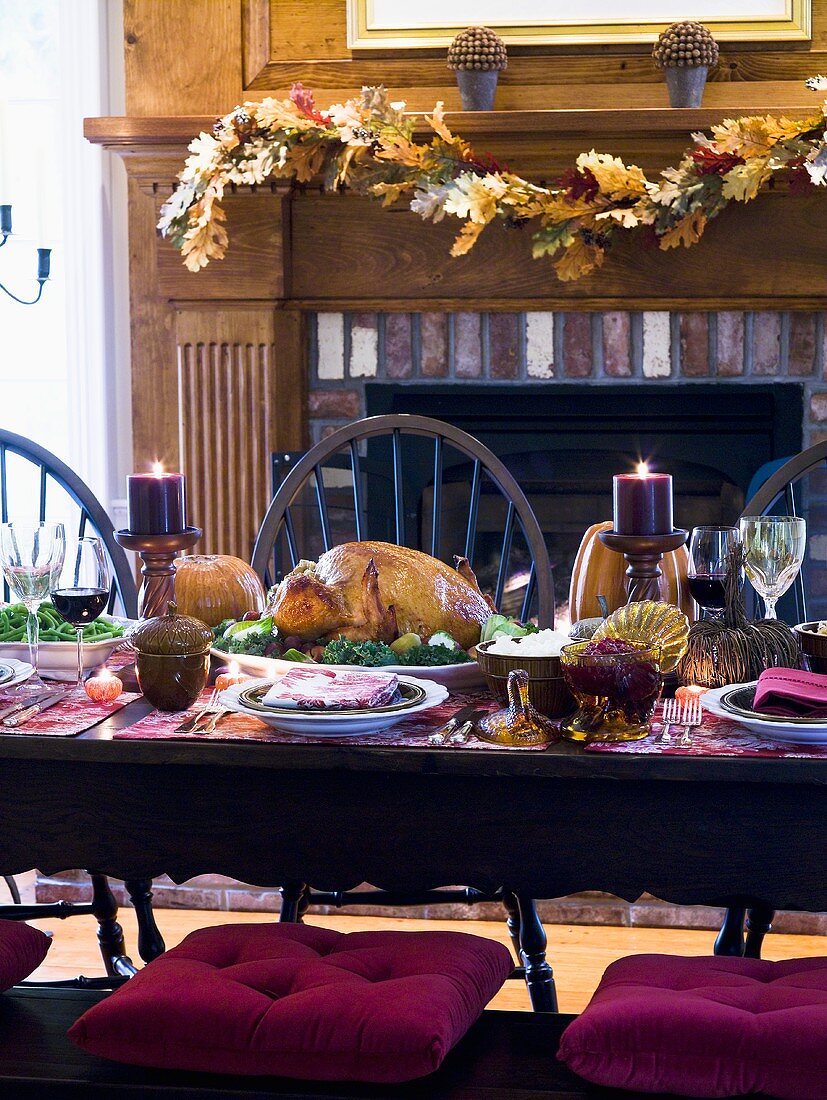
(477, 56)
(172, 658)
(686, 51)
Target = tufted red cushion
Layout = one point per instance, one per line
(22, 950)
(298, 1001)
(705, 1027)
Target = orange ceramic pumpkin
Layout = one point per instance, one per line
(600, 571)
(214, 587)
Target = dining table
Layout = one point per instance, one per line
(693, 830)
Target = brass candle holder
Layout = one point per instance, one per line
(643, 554)
(158, 553)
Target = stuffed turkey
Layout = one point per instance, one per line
(377, 591)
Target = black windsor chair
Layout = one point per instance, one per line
(407, 479)
(797, 488)
(61, 492)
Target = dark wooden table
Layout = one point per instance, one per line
(709, 831)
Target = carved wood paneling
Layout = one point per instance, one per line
(356, 255)
(203, 56)
(231, 399)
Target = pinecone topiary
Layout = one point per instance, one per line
(477, 49)
(685, 45)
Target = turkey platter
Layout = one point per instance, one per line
(377, 591)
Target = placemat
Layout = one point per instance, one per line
(715, 737)
(71, 716)
(410, 733)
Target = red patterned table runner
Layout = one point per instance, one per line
(715, 737)
(71, 716)
(410, 733)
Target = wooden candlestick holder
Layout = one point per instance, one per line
(643, 554)
(158, 553)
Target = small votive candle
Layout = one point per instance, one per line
(689, 692)
(230, 676)
(103, 687)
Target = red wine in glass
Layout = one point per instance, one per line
(708, 590)
(80, 592)
(79, 606)
(709, 549)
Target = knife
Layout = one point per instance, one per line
(439, 736)
(31, 712)
(14, 707)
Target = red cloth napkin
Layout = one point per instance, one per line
(791, 692)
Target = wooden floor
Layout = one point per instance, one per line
(579, 954)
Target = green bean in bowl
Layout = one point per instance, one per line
(52, 628)
(58, 641)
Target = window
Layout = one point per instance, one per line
(397, 24)
(57, 358)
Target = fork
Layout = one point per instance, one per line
(690, 719)
(189, 725)
(209, 727)
(671, 714)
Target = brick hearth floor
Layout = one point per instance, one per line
(579, 954)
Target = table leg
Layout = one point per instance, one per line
(512, 921)
(110, 933)
(293, 903)
(150, 940)
(730, 940)
(759, 923)
(538, 975)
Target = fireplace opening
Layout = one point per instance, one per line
(563, 443)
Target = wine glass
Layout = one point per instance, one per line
(31, 555)
(80, 590)
(774, 547)
(709, 548)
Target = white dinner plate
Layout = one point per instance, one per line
(795, 731)
(455, 677)
(20, 672)
(332, 723)
(59, 660)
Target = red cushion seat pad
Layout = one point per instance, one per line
(22, 950)
(298, 1001)
(705, 1027)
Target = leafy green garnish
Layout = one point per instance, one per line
(498, 625)
(433, 655)
(369, 654)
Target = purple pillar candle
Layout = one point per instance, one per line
(643, 503)
(155, 503)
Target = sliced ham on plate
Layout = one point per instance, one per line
(332, 689)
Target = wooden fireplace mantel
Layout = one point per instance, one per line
(219, 357)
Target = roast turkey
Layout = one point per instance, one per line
(374, 590)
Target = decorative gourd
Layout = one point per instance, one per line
(601, 571)
(171, 635)
(214, 587)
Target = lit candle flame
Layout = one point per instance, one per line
(642, 470)
(157, 468)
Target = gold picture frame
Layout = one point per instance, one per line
(366, 31)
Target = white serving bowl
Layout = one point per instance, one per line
(59, 660)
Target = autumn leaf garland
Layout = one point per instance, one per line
(368, 145)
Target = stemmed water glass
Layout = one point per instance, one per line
(774, 547)
(709, 549)
(31, 555)
(81, 588)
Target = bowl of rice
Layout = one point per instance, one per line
(539, 655)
